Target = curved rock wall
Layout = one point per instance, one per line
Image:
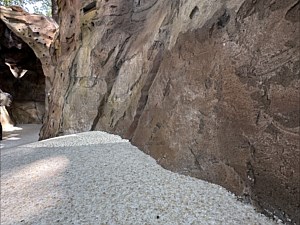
(36, 33)
(28, 90)
(208, 88)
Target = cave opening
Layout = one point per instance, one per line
(21, 75)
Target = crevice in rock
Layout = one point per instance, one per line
(196, 159)
(90, 7)
(145, 7)
(194, 12)
(223, 20)
(145, 90)
(110, 80)
(100, 112)
(293, 14)
(108, 56)
(167, 88)
(118, 60)
(71, 82)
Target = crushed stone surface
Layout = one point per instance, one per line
(99, 178)
(21, 134)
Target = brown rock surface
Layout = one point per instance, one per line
(208, 88)
(37, 31)
(25, 41)
(30, 87)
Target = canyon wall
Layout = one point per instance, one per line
(208, 88)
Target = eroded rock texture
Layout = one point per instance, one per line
(35, 30)
(208, 88)
(28, 91)
(25, 40)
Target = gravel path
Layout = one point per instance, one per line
(20, 135)
(98, 178)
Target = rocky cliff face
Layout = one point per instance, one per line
(208, 88)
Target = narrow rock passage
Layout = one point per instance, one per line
(99, 178)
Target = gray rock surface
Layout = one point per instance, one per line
(99, 178)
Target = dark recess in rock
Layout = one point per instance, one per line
(29, 91)
(223, 20)
(293, 14)
(194, 12)
(91, 6)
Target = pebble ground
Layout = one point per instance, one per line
(99, 178)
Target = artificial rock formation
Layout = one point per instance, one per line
(25, 60)
(208, 88)
(37, 31)
(22, 76)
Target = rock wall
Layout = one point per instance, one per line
(28, 91)
(25, 41)
(208, 88)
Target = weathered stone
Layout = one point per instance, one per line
(35, 30)
(208, 88)
(28, 112)
(31, 86)
(24, 40)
